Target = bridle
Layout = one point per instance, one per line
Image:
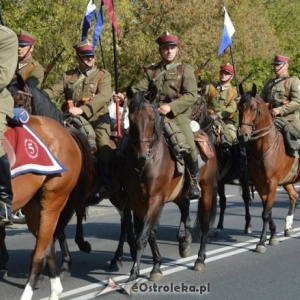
(152, 141)
(257, 133)
(23, 99)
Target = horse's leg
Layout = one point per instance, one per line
(222, 201)
(56, 287)
(126, 226)
(268, 200)
(65, 256)
(184, 236)
(244, 181)
(293, 196)
(83, 245)
(204, 215)
(155, 274)
(4, 254)
(143, 228)
(42, 250)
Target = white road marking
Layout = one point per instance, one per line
(185, 263)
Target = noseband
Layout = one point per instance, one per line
(23, 99)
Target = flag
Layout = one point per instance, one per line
(98, 26)
(89, 14)
(111, 14)
(228, 32)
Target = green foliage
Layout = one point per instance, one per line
(263, 28)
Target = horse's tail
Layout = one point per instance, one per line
(78, 199)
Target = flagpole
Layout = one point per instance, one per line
(235, 77)
(118, 121)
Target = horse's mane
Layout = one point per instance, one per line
(43, 106)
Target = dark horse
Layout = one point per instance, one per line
(48, 201)
(227, 165)
(268, 162)
(150, 180)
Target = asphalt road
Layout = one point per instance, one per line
(233, 269)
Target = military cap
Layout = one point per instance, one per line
(25, 38)
(228, 68)
(84, 48)
(167, 39)
(280, 59)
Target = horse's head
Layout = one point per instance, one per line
(145, 122)
(251, 107)
(20, 92)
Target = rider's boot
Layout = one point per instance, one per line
(194, 192)
(6, 193)
(292, 144)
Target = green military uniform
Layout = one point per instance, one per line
(95, 86)
(183, 97)
(222, 100)
(286, 96)
(31, 69)
(284, 93)
(8, 64)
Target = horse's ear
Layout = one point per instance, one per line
(241, 89)
(254, 90)
(129, 92)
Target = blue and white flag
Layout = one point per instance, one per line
(89, 14)
(98, 25)
(228, 32)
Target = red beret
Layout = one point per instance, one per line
(227, 68)
(167, 39)
(84, 48)
(280, 59)
(25, 38)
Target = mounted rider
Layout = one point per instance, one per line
(222, 107)
(282, 94)
(8, 64)
(177, 88)
(87, 90)
(27, 67)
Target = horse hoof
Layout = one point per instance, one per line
(156, 276)
(288, 232)
(186, 252)
(248, 230)
(115, 265)
(85, 247)
(4, 273)
(274, 241)
(199, 266)
(64, 274)
(261, 249)
(214, 233)
(189, 239)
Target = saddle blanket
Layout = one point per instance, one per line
(28, 154)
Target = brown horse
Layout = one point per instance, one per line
(269, 165)
(36, 102)
(48, 201)
(227, 165)
(150, 180)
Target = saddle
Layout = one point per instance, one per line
(204, 145)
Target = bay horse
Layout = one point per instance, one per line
(268, 162)
(150, 180)
(227, 165)
(48, 201)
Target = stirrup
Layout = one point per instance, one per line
(7, 219)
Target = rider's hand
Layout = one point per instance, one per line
(118, 97)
